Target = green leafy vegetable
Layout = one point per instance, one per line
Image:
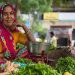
(37, 69)
(66, 64)
(23, 60)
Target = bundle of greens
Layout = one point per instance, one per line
(36, 69)
(66, 64)
(23, 60)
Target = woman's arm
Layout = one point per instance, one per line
(27, 31)
(1, 57)
(29, 34)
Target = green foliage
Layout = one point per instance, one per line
(42, 34)
(38, 5)
(36, 27)
(45, 5)
(12, 1)
(23, 60)
(19, 46)
(37, 69)
(29, 6)
(66, 64)
(58, 3)
(20, 19)
(1, 1)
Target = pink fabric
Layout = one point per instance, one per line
(9, 43)
(2, 62)
(6, 34)
(0, 10)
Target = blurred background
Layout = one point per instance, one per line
(43, 16)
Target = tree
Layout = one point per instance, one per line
(30, 6)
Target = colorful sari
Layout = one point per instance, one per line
(8, 46)
(6, 37)
(7, 42)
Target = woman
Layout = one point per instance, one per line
(10, 35)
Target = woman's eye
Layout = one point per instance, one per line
(11, 13)
(5, 14)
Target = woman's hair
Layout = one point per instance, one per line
(6, 5)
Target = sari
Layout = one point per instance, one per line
(8, 46)
(6, 38)
(7, 41)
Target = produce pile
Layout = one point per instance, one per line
(66, 64)
(23, 60)
(36, 69)
(27, 67)
(8, 67)
(22, 66)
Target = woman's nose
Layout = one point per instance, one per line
(8, 15)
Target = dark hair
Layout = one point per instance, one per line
(6, 5)
(52, 33)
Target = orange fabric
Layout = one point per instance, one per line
(18, 38)
(0, 47)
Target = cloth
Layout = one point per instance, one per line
(23, 53)
(54, 41)
(8, 41)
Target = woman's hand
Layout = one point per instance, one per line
(19, 24)
(27, 31)
(16, 24)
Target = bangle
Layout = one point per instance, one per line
(27, 31)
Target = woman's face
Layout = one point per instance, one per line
(8, 16)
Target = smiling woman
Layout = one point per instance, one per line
(10, 35)
(8, 16)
